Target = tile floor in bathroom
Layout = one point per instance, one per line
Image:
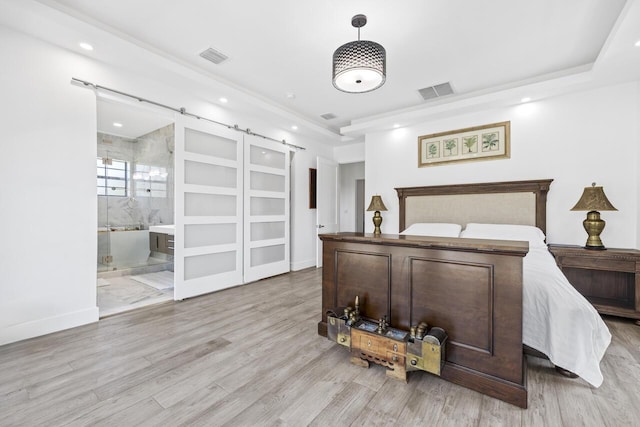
(122, 293)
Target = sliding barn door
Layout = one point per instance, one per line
(266, 209)
(209, 201)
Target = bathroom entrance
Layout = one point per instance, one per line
(135, 192)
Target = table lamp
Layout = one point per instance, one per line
(593, 200)
(376, 205)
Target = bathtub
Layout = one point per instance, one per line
(165, 228)
(129, 248)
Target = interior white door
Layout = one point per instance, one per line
(266, 209)
(327, 201)
(208, 217)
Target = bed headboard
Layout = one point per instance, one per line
(514, 202)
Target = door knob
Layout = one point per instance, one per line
(320, 226)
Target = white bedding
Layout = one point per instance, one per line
(556, 319)
(434, 229)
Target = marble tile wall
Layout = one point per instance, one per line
(145, 204)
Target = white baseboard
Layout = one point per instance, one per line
(36, 328)
(301, 265)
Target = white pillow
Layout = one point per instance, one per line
(433, 229)
(527, 233)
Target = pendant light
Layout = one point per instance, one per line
(359, 66)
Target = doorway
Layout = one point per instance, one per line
(359, 206)
(135, 191)
(340, 199)
(352, 203)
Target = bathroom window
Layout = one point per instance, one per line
(112, 177)
(150, 181)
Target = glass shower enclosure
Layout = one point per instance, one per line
(135, 191)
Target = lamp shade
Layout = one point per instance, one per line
(376, 204)
(593, 199)
(359, 66)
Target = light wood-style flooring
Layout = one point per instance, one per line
(251, 356)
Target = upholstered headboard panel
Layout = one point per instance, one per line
(515, 202)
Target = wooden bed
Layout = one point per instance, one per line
(472, 288)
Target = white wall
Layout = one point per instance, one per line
(574, 139)
(349, 173)
(351, 153)
(48, 272)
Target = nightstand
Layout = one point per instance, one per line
(609, 279)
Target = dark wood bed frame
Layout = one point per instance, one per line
(472, 288)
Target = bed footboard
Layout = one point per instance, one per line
(471, 288)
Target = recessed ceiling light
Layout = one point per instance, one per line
(118, 125)
(294, 127)
(525, 99)
(396, 125)
(223, 100)
(290, 95)
(86, 46)
(638, 43)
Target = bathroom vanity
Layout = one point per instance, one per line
(161, 238)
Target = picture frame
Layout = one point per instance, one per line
(486, 142)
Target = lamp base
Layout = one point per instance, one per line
(593, 225)
(377, 220)
(596, 248)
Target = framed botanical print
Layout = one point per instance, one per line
(488, 142)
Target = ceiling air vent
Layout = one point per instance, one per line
(436, 91)
(328, 116)
(214, 56)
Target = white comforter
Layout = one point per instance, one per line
(560, 322)
(556, 319)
